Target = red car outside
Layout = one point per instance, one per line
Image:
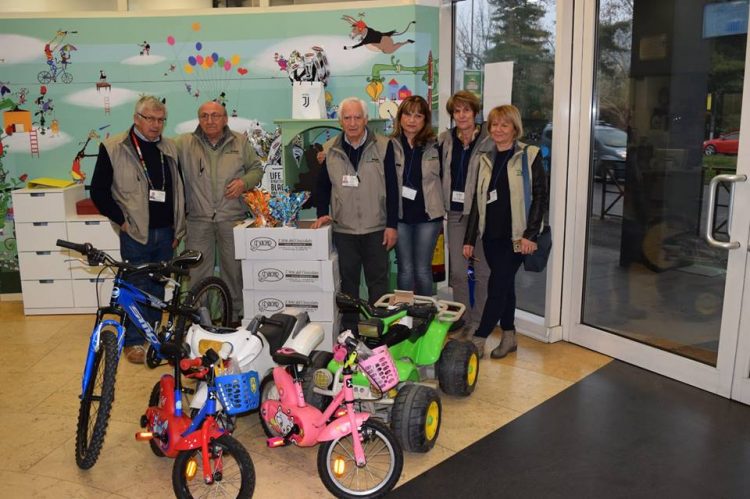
(727, 143)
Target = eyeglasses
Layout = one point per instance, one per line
(153, 119)
(213, 116)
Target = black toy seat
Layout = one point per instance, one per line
(348, 303)
(277, 335)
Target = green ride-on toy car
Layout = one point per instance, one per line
(414, 329)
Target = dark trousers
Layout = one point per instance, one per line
(501, 286)
(357, 252)
(157, 249)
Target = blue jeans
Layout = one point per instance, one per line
(414, 249)
(158, 249)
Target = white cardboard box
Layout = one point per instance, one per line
(320, 305)
(288, 275)
(282, 243)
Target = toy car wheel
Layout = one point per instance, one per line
(318, 360)
(416, 416)
(458, 368)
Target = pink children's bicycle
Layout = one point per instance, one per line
(358, 456)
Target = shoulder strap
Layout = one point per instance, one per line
(526, 179)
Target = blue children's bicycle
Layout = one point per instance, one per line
(127, 303)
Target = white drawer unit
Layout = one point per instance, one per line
(52, 281)
(47, 296)
(35, 265)
(39, 236)
(94, 229)
(85, 293)
(46, 204)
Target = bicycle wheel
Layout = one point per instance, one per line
(268, 391)
(153, 401)
(44, 77)
(340, 473)
(93, 415)
(67, 77)
(213, 294)
(231, 467)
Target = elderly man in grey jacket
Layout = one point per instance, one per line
(359, 196)
(218, 165)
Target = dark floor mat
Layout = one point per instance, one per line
(620, 432)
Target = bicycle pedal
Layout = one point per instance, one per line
(274, 442)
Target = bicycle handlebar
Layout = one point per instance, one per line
(96, 257)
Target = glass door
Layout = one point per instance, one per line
(664, 80)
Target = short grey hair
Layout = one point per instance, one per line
(151, 102)
(351, 100)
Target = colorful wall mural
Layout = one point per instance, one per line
(68, 83)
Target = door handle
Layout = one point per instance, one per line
(709, 235)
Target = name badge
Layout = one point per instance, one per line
(350, 181)
(457, 196)
(157, 196)
(492, 196)
(409, 193)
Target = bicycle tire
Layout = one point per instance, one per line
(90, 436)
(66, 77)
(379, 442)
(153, 401)
(228, 446)
(44, 77)
(212, 293)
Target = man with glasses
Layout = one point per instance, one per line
(137, 185)
(218, 166)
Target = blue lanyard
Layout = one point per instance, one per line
(408, 168)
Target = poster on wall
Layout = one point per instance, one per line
(473, 81)
(500, 88)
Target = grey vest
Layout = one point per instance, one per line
(130, 186)
(515, 187)
(484, 144)
(431, 183)
(361, 209)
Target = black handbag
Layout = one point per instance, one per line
(537, 261)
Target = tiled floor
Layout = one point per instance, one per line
(42, 358)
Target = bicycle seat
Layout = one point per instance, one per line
(187, 259)
(287, 357)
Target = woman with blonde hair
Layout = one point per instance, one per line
(508, 212)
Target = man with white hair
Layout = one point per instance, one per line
(359, 196)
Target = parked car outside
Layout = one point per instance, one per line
(610, 148)
(726, 143)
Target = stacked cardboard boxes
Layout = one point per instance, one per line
(289, 268)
